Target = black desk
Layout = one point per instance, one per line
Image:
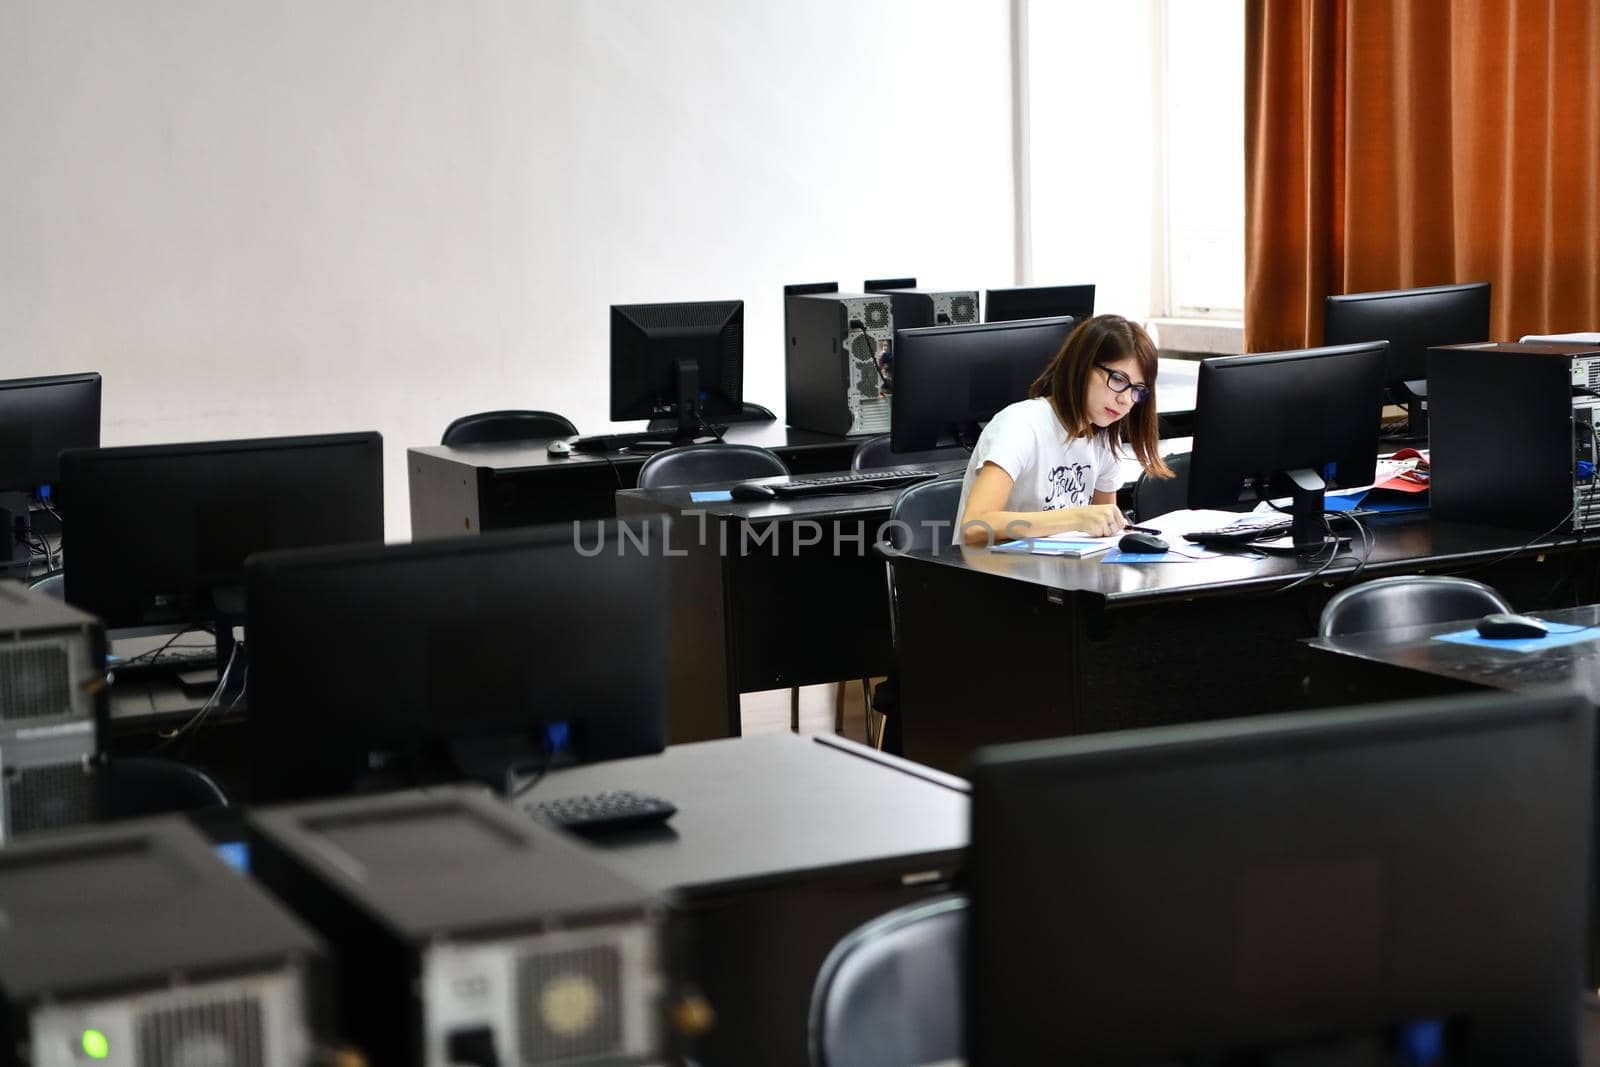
(781, 845)
(1406, 661)
(1002, 647)
(770, 595)
(472, 488)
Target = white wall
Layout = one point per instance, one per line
(1092, 133)
(293, 216)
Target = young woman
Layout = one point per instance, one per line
(1051, 463)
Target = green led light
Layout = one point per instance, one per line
(95, 1045)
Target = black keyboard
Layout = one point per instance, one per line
(1241, 533)
(621, 442)
(885, 478)
(601, 812)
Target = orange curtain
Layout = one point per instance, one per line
(1396, 143)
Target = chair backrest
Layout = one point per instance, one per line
(1407, 600)
(874, 452)
(507, 426)
(924, 511)
(700, 464)
(54, 585)
(890, 991)
(1157, 496)
(149, 785)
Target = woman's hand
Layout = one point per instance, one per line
(1100, 520)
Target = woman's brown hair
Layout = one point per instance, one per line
(1098, 341)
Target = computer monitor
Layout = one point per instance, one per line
(950, 379)
(156, 536)
(1291, 889)
(683, 362)
(389, 666)
(39, 417)
(1292, 423)
(1412, 321)
(1038, 302)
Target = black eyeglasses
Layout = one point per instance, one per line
(1121, 383)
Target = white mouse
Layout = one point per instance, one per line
(558, 448)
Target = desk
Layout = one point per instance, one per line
(998, 647)
(781, 845)
(472, 488)
(1406, 661)
(770, 595)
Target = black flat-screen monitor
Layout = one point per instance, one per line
(1312, 888)
(1412, 321)
(683, 362)
(40, 418)
(950, 379)
(1293, 423)
(388, 666)
(157, 535)
(1038, 302)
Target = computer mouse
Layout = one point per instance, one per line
(752, 491)
(558, 448)
(1500, 625)
(1142, 542)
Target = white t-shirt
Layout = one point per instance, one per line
(1048, 470)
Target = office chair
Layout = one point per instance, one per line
(150, 785)
(1157, 496)
(490, 426)
(1407, 600)
(704, 464)
(52, 585)
(749, 411)
(913, 525)
(890, 992)
(875, 452)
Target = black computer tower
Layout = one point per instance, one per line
(1512, 434)
(464, 932)
(837, 370)
(135, 945)
(52, 711)
(930, 307)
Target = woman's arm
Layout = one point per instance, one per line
(992, 487)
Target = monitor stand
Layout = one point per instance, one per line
(1309, 529)
(691, 427)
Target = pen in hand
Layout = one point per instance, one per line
(1142, 529)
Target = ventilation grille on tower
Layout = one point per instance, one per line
(876, 314)
(224, 1032)
(34, 682)
(963, 309)
(570, 1005)
(41, 798)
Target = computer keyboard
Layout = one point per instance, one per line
(885, 478)
(601, 812)
(618, 442)
(1241, 533)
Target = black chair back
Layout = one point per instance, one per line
(1157, 496)
(703, 464)
(1408, 600)
(149, 785)
(890, 992)
(489, 426)
(924, 511)
(874, 452)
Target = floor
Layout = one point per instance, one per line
(768, 712)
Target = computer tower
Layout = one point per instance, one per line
(466, 933)
(1512, 434)
(930, 307)
(135, 945)
(836, 369)
(52, 708)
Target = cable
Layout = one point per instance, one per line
(216, 694)
(555, 741)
